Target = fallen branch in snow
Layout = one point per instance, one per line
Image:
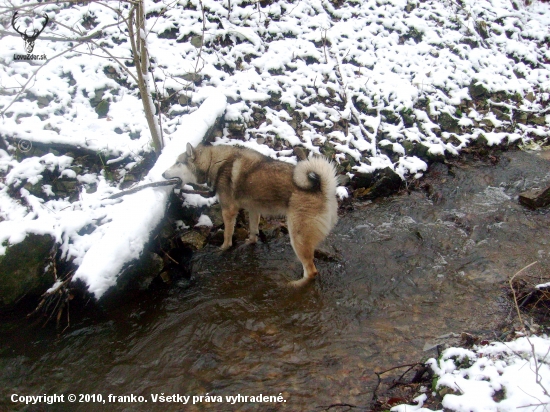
(138, 188)
(168, 182)
(536, 371)
(537, 367)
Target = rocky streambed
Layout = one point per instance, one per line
(399, 276)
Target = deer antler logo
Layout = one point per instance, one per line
(29, 40)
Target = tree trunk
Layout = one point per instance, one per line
(141, 62)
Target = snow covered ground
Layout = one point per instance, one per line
(499, 377)
(372, 84)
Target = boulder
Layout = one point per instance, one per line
(386, 182)
(193, 239)
(22, 269)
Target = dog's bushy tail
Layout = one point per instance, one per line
(316, 173)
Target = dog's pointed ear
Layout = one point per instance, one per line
(190, 151)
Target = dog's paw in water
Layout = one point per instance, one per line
(251, 241)
(300, 283)
(225, 246)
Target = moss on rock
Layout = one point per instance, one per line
(22, 268)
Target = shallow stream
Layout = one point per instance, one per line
(409, 269)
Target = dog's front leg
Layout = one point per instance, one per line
(229, 215)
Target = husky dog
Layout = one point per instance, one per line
(245, 179)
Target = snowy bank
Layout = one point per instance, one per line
(499, 377)
(116, 230)
(132, 221)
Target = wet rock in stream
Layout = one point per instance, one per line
(535, 198)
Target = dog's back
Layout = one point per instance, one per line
(270, 187)
(254, 181)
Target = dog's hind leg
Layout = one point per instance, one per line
(229, 215)
(254, 222)
(303, 242)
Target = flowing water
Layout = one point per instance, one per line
(409, 269)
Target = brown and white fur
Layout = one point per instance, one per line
(245, 179)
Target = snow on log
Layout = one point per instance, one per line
(133, 219)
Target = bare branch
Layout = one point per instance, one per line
(61, 39)
(514, 293)
(167, 182)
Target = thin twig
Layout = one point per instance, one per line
(398, 381)
(170, 257)
(324, 37)
(514, 293)
(537, 367)
(202, 41)
(379, 376)
(534, 404)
